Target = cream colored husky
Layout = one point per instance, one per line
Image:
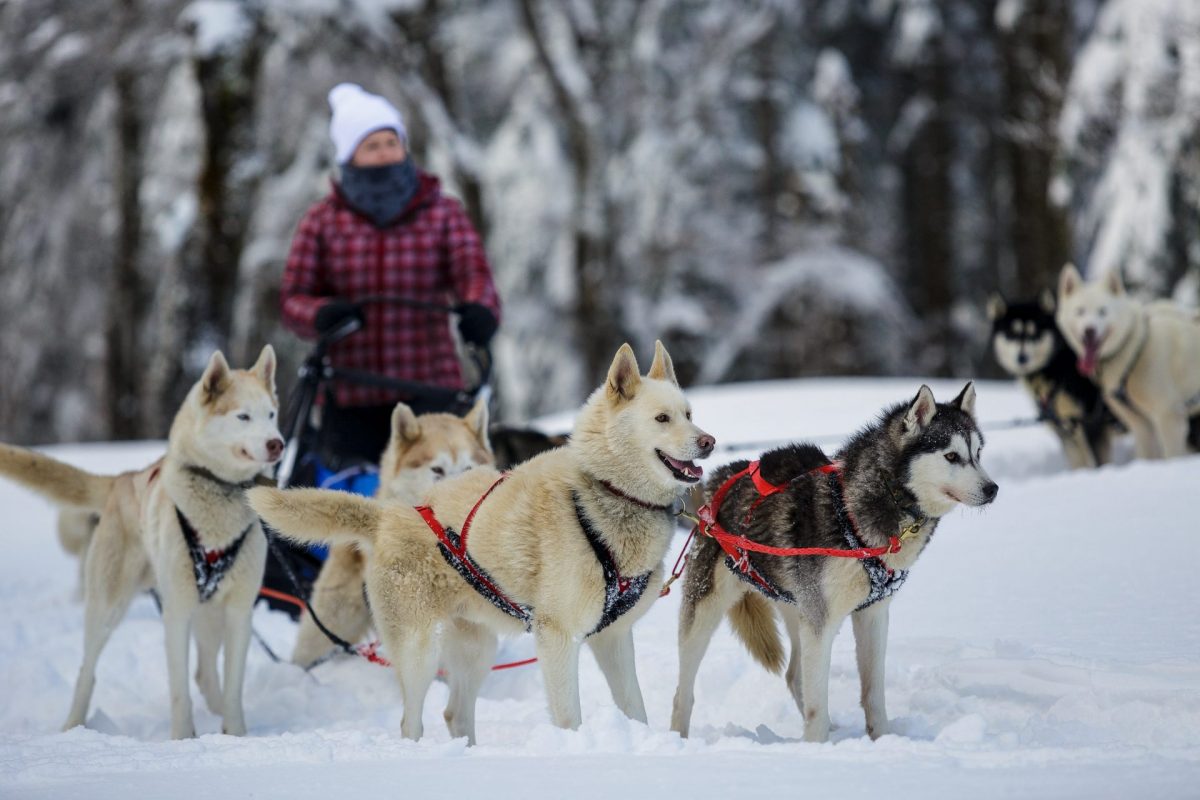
(571, 542)
(421, 452)
(182, 527)
(1144, 356)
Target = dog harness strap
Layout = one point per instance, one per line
(453, 548)
(620, 593)
(209, 566)
(882, 581)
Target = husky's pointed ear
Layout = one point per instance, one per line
(920, 412)
(264, 368)
(623, 375)
(1046, 300)
(996, 306)
(1113, 283)
(1068, 281)
(662, 369)
(477, 421)
(405, 425)
(216, 377)
(966, 400)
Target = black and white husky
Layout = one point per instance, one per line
(881, 498)
(1029, 346)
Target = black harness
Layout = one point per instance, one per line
(209, 566)
(620, 593)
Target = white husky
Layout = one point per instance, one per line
(1144, 356)
(182, 527)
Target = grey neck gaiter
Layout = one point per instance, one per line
(381, 193)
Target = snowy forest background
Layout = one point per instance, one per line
(774, 188)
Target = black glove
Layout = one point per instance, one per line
(476, 324)
(334, 313)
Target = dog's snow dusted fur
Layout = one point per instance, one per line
(919, 461)
(420, 452)
(636, 434)
(1144, 356)
(223, 437)
(1029, 346)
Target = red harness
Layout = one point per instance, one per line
(736, 547)
(459, 551)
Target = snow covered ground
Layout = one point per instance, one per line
(1047, 646)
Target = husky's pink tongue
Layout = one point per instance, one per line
(686, 467)
(1090, 355)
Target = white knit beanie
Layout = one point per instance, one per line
(356, 115)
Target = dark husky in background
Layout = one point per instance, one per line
(913, 466)
(1029, 346)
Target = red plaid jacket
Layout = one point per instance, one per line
(432, 254)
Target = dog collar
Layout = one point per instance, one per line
(229, 487)
(636, 501)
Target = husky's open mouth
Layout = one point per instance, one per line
(1091, 353)
(686, 471)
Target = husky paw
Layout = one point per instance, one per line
(233, 728)
(878, 729)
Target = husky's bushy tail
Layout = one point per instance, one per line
(316, 516)
(58, 482)
(753, 620)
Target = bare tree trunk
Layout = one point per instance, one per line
(1035, 64)
(125, 292)
(928, 210)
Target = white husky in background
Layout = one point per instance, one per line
(182, 527)
(1144, 356)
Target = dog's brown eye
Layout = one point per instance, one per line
(244, 417)
(662, 418)
(689, 416)
(439, 471)
(952, 458)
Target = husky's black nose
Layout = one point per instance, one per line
(706, 443)
(989, 491)
(274, 448)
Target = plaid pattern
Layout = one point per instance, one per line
(432, 254)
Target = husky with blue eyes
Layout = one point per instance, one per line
(814, 540)
(182, 527)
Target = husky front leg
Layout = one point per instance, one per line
(558, 655)
(870, 644)
(613, 649)
(816, 645)
(209, 631)
(237, 646)
(177, 625)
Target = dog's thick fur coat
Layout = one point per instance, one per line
(223, 437)
(631, 449)
(914, 465)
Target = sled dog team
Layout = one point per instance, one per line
(569, 545)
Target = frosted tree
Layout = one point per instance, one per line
(1130, 131)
